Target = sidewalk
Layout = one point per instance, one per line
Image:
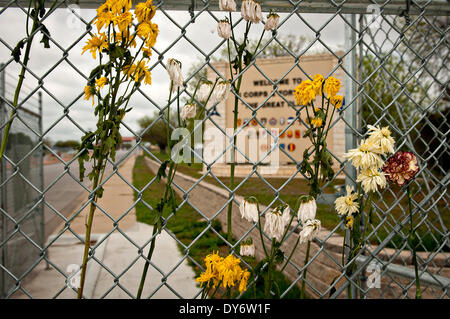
(117, 253)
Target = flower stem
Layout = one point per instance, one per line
(412, 236)
(303, 292)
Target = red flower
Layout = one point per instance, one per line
(401, 167)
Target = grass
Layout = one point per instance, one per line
(290, 191)
(187, 225)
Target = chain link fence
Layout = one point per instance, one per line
(392, 57)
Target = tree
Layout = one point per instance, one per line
(154, 130)
(68, 144)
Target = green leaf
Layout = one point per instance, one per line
(16, 52)
(279, 257)
(162, 170)
(45, 36)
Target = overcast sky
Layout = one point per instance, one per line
(66, 84)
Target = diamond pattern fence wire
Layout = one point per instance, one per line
(394, 67)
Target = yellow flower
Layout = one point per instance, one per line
(89, 92)
(337, 101)
(305, 92)
(123, 21)
(125, 35)
(147, 52)
(139, 72)
(148, 31)
(205, 277)
(244, 281)
(332, 86)
(145, 11)
(347, 205)
(349, 221)
(104, 15)
(317, 82)
(96, 43)
(119, 6)
(317, 122)
(101, 82)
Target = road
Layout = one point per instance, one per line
(61, 195)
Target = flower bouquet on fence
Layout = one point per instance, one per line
(122, 68)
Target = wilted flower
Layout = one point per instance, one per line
(188, 111)
(332, 86)
(310, 229)
(272, 21)
(317, 82)
(174, 69)
(145, 11)
(349, 220)
(204, 91)
(347, 205)
(305, 92)
(307, 209)
(247, 248)
(100, 83)
(251, 11)
(276, 222)
(224, 29)
(96, 43)
(227, 5)
(337, 101)
(89, 92)
(381, 137)
(249, 209)
(371, 179)
(317, 122)
(366, 155)
(225, 271)
(401, 167)
(221, 91)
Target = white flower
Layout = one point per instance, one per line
(174, 69)
(227, 5)
(188, 111)
(204, 91)
(224, 29)
(249, 210)
(251, 11)
(221, 91)
(347, 205)
(366, 155)
(307, 209)
(310, 230)
(381, 137)
(272, 22)
(371, 178)
(276, 222)
(247, 249)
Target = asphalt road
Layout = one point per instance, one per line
(63, 189)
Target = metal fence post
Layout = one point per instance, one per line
(351, 110)
(2, 178)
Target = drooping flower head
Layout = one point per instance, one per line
(204, 91)
(367, 155)
(247, 248)
(310, 229)
(145, 11)
(332, 86)
(349, 220)
(173, 67)
(307, 209)
(401, 167)
(101, 82)
(249, 209)
(317, 122)
(89, 92)
(276, 222)
(139, 71)
(227, 5)
(347, 205)
(188, 111)
(224, 29)
(221, 91)
(251, 11)
(381, 137)
(371, 179)
(317, 82)
(272, 21)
